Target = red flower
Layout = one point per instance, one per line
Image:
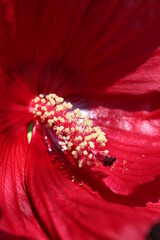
(103, 57)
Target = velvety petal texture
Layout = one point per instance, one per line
(17, 220)
(103, 56)
(133, 138)
(96, 47)
(70, 209)
(16, 214)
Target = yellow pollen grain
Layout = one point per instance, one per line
(69, 117)
(46, 114)
(67, 130)
(93, 135)
(78, 112)
(36, 107)
(106, 152)
(70, 144)
(52, 102)
(59, 108)
(91, 144)
(53, 95)
(36, 99)
(48, 97)
(80, 163)
(74, 153)
(83, 144)
(59, 129)
(43, 100)
(55, 119)
(88, 138)
(38, 113)
(43, 108)
(69, 106)
(87, 122)
(72, 129)
(79, 129)
(101, 138)
(96, 128)
(88, 130)
(62, 120)
(50, 122)
(78, 148)
(52, 112)
(59, 100)
(64, 104)
(79, 138)
(85, 152)
(68, 137)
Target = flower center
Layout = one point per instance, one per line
(74, 134)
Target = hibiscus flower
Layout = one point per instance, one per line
(102, 57)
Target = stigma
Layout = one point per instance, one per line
(76, 135)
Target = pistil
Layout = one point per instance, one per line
(74, 134)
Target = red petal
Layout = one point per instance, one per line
(121, 51)
(133, 138)
(16, 216)
(8, 236)
(101, 46)
(68, 210)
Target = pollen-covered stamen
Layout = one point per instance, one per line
(76, 135)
